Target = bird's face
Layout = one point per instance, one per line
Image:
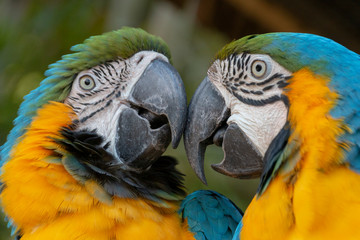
(137, 105)
(240, 106)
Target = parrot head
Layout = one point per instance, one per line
(129, 102)
(255, 91)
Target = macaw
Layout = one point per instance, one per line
(285, 107)
(83, 160)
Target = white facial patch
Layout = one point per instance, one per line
(253, 95)
(260, 123)
(98, 109)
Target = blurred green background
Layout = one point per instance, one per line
(34, 34)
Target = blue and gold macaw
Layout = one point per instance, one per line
(285, 106)
(83, 160)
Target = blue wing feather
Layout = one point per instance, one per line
(237, 232)
(210, 215)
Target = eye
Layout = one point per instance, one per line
(258, 68)
(87, 83)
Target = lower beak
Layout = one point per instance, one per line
(207, 124)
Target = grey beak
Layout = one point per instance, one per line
(207, 111)
(160, 90)
(157, 116)
(206, 124)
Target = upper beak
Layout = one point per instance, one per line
(157, 116)
(207, 124)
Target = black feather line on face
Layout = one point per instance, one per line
(261, 102)
(161, 181)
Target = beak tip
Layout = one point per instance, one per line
(195, 155)
(175, 142)
(200, 174)
(216, 166)
(220, 169)
(203, 180)
(178, 129)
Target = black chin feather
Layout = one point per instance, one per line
(160, 181)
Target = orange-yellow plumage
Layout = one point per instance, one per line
(46, 202)
(321, 186)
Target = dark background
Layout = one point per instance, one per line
(34, 34)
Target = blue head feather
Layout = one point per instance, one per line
(342, 66)
(324, 57)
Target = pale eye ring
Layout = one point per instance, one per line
(258, 68)
(87, 83)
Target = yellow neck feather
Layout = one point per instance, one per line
(46, 202)
(297, 204)
(310, 103)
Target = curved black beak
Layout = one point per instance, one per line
(207, 124)
(157, 115)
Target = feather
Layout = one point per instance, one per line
(56, 86)
(85, 159)
(210, 215)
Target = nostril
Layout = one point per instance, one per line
(156, 121)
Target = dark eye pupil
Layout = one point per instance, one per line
(258, 68)
(87, 82)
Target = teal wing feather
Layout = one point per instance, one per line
(210, 215)
(237, 232)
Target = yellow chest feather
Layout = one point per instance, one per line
(46, 202)
(322, 199)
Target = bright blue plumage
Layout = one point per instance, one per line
(50, 89)
(326, 57)
(210, 215)
(26, 112)
(301, 92)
